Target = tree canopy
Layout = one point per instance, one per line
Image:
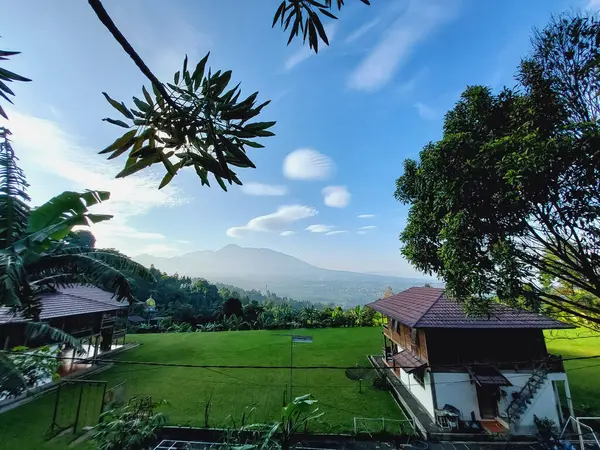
(507, 204)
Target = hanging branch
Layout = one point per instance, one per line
(110, 26)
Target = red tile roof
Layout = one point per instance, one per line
(408, 360)
(422, 307)
(71, 301)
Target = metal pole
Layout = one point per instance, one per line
(56, 405)
(291, 364)
(102, 402)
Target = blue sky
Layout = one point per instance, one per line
(346, 118)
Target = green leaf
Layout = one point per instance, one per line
(221, 183)
(137, 166)
(118, 106)
(147, 96)
(237, 152)
(119, 123)
(259, 126)
(144, 107)
(252, 144)
(327, 13)
(11, 75)
(176, 77)
(119, 142)
(199, 71)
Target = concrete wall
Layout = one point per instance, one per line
(457, 390)
(423, 394)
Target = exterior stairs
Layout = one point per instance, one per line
(523, 400)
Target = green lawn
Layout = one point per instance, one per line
(232, 390)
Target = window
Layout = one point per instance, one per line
(419, 376)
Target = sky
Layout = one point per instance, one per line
(347, 118)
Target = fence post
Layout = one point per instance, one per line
(102, 403)
(355, 432)
(56, 405)
(383, 422)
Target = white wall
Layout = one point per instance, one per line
(543, 403)
(423, 394)
(457, 390)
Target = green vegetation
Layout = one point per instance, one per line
(505, 205)
(231, 390)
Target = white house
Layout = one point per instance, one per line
(492, 372)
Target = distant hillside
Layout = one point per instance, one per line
(258, 268)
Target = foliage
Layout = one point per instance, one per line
(511, 194)
(546, 428)
(131, 427)
(7, 76)
(30, 367)
(204, 125)
(380, 381)
(81, 238)
(303, 18)
(232, 307)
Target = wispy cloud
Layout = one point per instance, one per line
(307, 164)
(304, 52)
(416, 23)
(275, 222)
(333, 233)
(46, 148)
(365, 216)
(411, 84)
(262, 189)
(320, 228)
(336, 196)
(362, 30)
(287, 233)
(425, 111)
(368, 227)
(593, 4)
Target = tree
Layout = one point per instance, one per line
(199, 118)
(7, 76)
(232, 307)
(511, 193)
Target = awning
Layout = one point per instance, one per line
(408, 361)
(487, 376)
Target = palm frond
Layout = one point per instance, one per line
(11, 378)
(14, 210)
(41, 329)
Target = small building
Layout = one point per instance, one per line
(85, 312)
(493, 373)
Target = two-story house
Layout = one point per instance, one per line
(494, 368)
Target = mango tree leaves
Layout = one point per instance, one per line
(204, 125)
(302, 17)
(7, 76)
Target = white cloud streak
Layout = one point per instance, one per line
(368, 227)
(333, 233)
(426, 112)
(261, 189)
(415, 24)
(336, 196)
(307, 164)
(362, 30)
(287, 233)
(44, 147)
(365, 216)
(304, 52)
(275, 222)
(319, 228)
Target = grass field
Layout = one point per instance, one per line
(233, 390)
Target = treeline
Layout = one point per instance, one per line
(183, 303)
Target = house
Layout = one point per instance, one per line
(493, 372)
(85, 312)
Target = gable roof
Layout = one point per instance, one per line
(71, 301)
(423, 307)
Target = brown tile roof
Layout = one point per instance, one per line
(71, 301)
(422, 307)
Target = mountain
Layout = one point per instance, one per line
(260, 268)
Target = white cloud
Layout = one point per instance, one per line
(307, 164)
(593, 4)
(275, 222)
(336, 196)
(365, 216)
(362, 30)
(49, 151)
(320, 228)
(361, 232)
(305, 52)
(332, 233)
(287, 233)
(415, 23)
(426, 112)
(252, 188)
(368, 227)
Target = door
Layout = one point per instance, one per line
(487, 397)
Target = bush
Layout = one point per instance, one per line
(380, 381)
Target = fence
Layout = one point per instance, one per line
(78, 404)
(375, 425)
(590, 434)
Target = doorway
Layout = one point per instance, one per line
(487, 397)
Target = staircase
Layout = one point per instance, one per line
(521, 403)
